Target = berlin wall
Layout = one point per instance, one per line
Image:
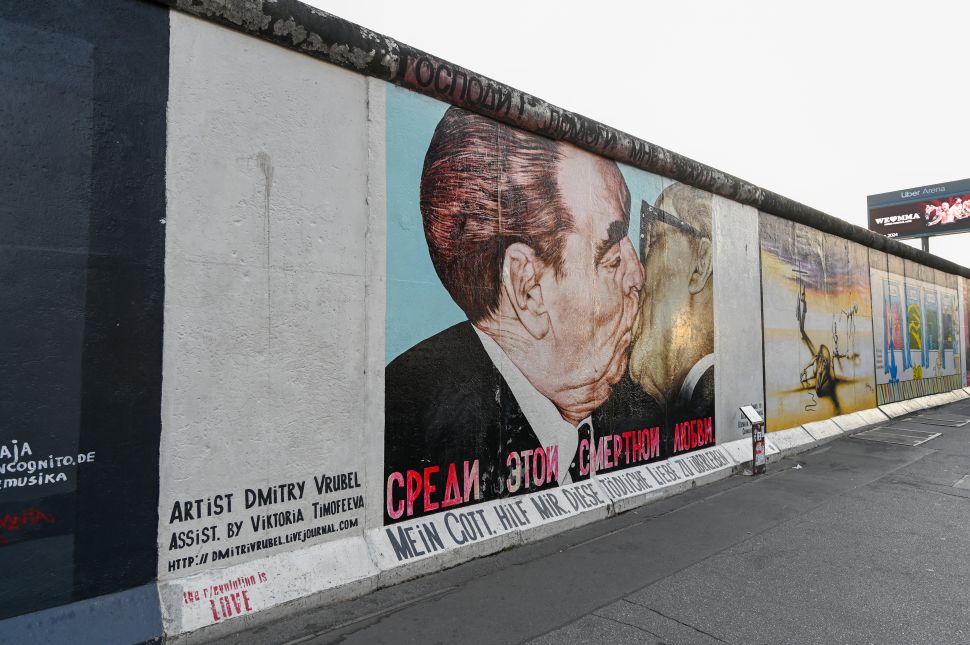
(295, 311)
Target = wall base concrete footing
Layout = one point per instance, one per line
(823, 431)
(136, 616)
(779, 444)
(131, 616)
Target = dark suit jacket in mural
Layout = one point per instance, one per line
(630, 409)
(700, 403)
(446, 403)
(696, 405)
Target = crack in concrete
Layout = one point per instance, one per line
(927, 487)
(379, 615)
(623, 622)
(679, 622)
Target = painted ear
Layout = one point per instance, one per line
(521, 271)
(703, 266)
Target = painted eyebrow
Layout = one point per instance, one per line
(614, 235)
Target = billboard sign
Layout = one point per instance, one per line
(939, 209)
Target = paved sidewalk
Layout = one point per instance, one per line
(858, 541)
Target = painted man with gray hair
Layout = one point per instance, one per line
(670, 379)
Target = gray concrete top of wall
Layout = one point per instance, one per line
(296, 26)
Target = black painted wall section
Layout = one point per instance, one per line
(82, 241)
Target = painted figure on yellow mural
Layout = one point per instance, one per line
(820, 374)
(915, 333)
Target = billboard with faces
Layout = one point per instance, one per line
(939, 209)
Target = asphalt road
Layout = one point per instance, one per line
(857, 541)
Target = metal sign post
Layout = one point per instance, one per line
(759, 456)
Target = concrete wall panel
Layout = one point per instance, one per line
(378, 338)
(817, 325)
(737, 312)
(264, 398)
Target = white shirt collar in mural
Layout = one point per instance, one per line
(541, 413)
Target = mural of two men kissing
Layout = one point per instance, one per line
(556, 322)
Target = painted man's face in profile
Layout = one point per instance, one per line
(593, 301)
(674, 323)
(666, 263)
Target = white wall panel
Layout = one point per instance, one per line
(739, 367)
(264, 342)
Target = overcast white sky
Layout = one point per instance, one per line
(824, 102)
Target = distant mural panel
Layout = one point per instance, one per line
(916, 323)
(965, 308)
(549, 317)
(817, 324)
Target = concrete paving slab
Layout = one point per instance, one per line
(740, 450)
(925, 402)
(932, 400)
(898, 409)
(791, 440)
(823, 430)
(941, 399)
(935, 400)
(860, 419)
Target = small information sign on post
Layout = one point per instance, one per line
(759, 458)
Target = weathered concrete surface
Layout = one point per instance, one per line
(299, 27)
(737, 310)
(791, 440)
(864, 542)
(859, 419)
(824, 430)
(901, 408)
(269, 265)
